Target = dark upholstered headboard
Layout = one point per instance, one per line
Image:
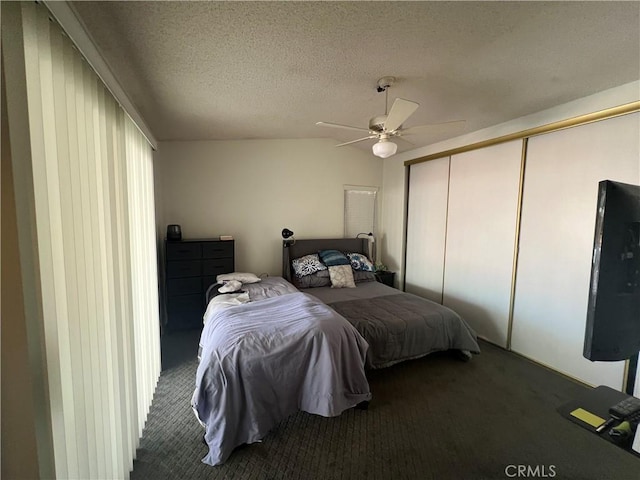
(304, 247)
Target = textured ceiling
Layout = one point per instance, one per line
(260, 70)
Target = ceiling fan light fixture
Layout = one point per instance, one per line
(390, 125)
(384, 148)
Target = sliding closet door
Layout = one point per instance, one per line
(556, 239)
(426, 228)
(483, 206)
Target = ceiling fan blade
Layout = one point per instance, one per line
(435, 128)
(399, 139)
(337, 125)
(400, 111)
(356, 141)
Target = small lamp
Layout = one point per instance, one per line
(372, 245)
(287, 237)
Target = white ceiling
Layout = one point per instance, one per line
(263, 70)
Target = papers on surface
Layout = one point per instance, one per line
(588, 417)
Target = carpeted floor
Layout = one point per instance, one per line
(433, 418)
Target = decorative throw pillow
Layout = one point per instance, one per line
(239, 276)
(341, 276)
(360, 262)
(316, 279)
(359, 276)
(333, 257)
(307, 265)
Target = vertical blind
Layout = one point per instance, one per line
(94, 216)
(359, 210)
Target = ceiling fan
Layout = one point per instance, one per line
(387, 126)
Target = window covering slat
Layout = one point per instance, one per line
(93, 210)
(47, 218)
(64, 109)
(359, 210)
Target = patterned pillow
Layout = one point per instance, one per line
(360, 262)
(307, 265)
(341, 276)
(333, 257)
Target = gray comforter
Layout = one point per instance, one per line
(399, 326)
(264, 360)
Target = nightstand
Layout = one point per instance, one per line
(386, 277)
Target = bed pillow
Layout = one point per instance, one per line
(332, 258)
(359, 276)
(360, 261)
(313, 280)
(238, 276)
(341, 276)
(307, 265)
(230, 286)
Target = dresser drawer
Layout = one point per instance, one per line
(184, 250)
(184, 286)
(222, 249)
(216, 266)
(207, 282)
(191, 266)
(185, 311)
(186, 268)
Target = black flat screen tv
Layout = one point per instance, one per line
(613, 310)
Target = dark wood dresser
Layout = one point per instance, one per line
(191, 266)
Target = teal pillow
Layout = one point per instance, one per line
(331, 258)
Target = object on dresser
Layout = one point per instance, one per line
(225, 238)
(191, 266)
(627, 409)
(621, 434)
(174, 233)
(380, 267)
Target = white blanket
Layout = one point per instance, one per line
(223, 301)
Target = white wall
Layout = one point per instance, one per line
(390, 247)
(252, 189)
(392, 226)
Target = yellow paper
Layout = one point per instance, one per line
(588, 417)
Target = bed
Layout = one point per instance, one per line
(398, 326)
(264, 357)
